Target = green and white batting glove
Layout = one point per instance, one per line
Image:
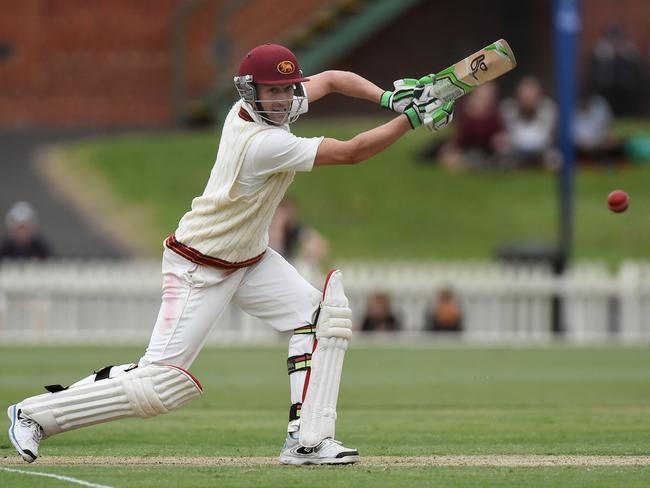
(441, 117)
(433, 114)
(401, 97)
(428, 111)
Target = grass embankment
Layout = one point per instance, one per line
(393, 206)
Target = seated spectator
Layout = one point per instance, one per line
(592, 134)
(379, 316)
(446, 314)
(480, 137)
(530, 120)
(22, 240)
(292, 239)
(299, 244)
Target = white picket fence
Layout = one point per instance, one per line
(117, 301)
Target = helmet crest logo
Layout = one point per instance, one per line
(286, 67)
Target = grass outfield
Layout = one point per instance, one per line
(514, 407)
(389, 207)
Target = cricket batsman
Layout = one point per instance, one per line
(219, 254)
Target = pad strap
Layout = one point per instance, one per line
(299, 363)
(294, 411)
(306, 329)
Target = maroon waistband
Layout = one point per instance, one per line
(195, 256)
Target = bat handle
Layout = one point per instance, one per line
(440, 87)
(446, 91)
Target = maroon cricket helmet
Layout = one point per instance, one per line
(271, 64)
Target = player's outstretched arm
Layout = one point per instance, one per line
(355, 86)
(428, 112)
(363, 146)
(342, 82)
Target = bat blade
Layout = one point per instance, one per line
(485, 65)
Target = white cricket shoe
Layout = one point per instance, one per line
(24, 433)
(329, 451)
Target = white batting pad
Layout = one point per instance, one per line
(333, 332)
(143, 392)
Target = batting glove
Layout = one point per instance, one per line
(399, 99)
(428, 111)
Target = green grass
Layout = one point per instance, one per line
(337, 477)
(391, 206)
(407, 401)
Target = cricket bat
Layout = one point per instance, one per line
(461, 78)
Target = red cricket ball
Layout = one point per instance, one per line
(618, 201)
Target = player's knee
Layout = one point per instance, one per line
(158, 389)
(335, 316)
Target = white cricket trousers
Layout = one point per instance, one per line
(195, 296)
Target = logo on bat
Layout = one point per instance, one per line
(478, 63)
(286, 67)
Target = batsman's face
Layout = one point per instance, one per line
(276, 101)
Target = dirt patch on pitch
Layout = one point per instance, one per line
(379, 461)
(509, 460)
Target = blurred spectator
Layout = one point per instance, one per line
(299, 244)
(530, 120)
(445, 315)
(480, 137)
(615, 71)
(646, 77)
(379, 316)
(22, 240)
(291, 238)
(592, 134)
